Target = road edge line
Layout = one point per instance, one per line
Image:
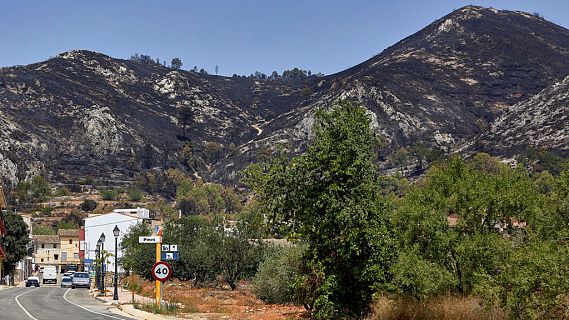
(82, 307)
(22, 307)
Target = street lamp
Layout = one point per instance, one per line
(97, 268)
(116, 232)
(103, 258)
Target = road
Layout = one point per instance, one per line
(52, 303)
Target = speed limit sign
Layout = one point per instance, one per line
(161, 271)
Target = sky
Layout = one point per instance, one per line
(239, 36)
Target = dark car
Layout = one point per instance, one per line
(81, 280)
(66, 282)
(33, 282)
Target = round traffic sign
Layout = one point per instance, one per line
(162, 271)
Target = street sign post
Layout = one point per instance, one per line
(161, 271)
(156, 239)
(150, 239)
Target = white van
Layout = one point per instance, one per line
(49, 274)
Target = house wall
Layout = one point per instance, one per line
(96, 225)
(48, 254)
(69, 245)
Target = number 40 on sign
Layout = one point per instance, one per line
(161, 271)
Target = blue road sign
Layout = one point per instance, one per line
(170, 256)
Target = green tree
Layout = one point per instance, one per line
(328, 198)
(176, 63)
(238, 257)
(533, 282)
(40, 188)
(209, 252)
(15, 241)
(483, 198)
(185, 117)
(138, 257)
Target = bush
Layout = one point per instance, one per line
(88, 205)
(42, 229)
(420, 278)
(135, 195)
(276, 274)
(110, 194)
(60, 192)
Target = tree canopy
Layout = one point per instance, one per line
(15, 241)
(327, 198)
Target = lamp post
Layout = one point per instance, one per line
(97, 268)
(103, 271)
(116, 232)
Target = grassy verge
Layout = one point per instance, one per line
(166, 308)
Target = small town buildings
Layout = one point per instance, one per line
(69, 249)
(47, 250)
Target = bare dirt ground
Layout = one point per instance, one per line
(216, 303)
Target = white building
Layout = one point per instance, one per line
(105, 223)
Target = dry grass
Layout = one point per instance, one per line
(216, 303)
(441, 308)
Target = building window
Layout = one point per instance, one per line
(70, 241)
(42, 245)
(64, 256)
(55, 256)
(55, 245)
(75, 256)
(41, 259)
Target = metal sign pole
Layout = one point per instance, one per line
(158, 289)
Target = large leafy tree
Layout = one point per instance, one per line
(327, 198)
(454, 223)
(137, 257)
(15, 241)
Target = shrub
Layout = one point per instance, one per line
(60, 192)
(88, 205)
(135, 195)
(276, 274)
(42, 229)
(110, 194)
(166, 308)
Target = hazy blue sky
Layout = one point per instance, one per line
(240, 36)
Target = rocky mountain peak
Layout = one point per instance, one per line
(85, 113)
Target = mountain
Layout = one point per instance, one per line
(539, 122)
(83, 113)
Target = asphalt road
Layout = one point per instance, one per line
(52, 303)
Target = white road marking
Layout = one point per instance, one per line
(82, 307)
(18, 302)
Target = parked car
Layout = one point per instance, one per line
(81, 280)
(66, 282)
(33, 282)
